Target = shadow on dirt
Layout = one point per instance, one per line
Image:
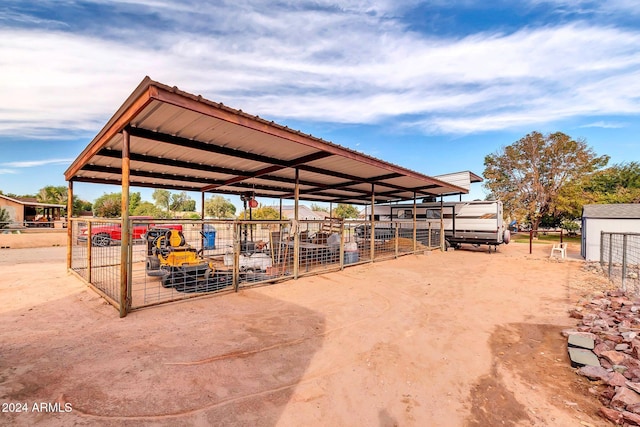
(536, 354)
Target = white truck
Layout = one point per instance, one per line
(477, 223)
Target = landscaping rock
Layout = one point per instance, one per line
(616, 379)
(594, 372)
(631, 418)
(634, 408)
(633, 386)
(612, 321)
(611, 415)
(582, 340)
(614, 357)
(581, 357)
(624, 397)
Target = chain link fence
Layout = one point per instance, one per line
(620, 259)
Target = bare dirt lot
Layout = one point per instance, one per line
(460, 338)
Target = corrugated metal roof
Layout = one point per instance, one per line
(182, 141)
(614, 211)
(32, 203)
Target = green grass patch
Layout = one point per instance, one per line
(545, 238)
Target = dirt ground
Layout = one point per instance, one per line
(460, 338)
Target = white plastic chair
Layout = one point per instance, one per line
(560, 248)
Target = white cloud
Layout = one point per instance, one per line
(604, 125)
(33, 163)
(594, 6)
(6, 171)
(354, 65)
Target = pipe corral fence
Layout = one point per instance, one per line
(620, 259)
(221, 256)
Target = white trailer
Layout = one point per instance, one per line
(476, 223)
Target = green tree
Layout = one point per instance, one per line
(134, 201)
(261, 213)
(219, 207)
(530, 174)
(4, 218)
(56, 195)
(109, 205)
(80, 206)
(148, 209)
(617, 184)
(182, 202)
(317, 208)
(162, 199)
(345, 211)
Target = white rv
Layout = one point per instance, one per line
(476, 223)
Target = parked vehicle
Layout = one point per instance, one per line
(476, 223)
(108, 234)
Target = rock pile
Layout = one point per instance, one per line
(605, 347)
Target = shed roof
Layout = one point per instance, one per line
(181, 141)
(613, 211)
(32, 203)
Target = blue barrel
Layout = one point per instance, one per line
(350, 257)
(209, 233)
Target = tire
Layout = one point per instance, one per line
(101, 240)
(506, 237)
(153, 263)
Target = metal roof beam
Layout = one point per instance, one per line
(163, 161)
(274, 168)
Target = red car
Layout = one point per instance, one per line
(106, 234)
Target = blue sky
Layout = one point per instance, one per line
(434, 86)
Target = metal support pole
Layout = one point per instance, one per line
(415, 226)
(624, 262)
(124, 246)
(601, 249)
(341, 246)
(89, 251)
(203, 239)
(397, 240)
(70, 224)
(442, 244)
(610, 254)
(530, 241)
(237, 237)
(372, 243)
(296, 234)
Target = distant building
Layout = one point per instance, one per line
(29, 212)
(616, 218)
(303, 213)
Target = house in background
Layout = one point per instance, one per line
(303, 213)
(616, 218)
(28, 212)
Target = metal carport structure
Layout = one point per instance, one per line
(162, 137)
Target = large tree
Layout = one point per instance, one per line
(529, 175)
(617, 184)
(182, 202)
(345, 211)
(109, 205)
(260, 213)
(317, 208)
(219, 207)
(56, 195)
(162, 199)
